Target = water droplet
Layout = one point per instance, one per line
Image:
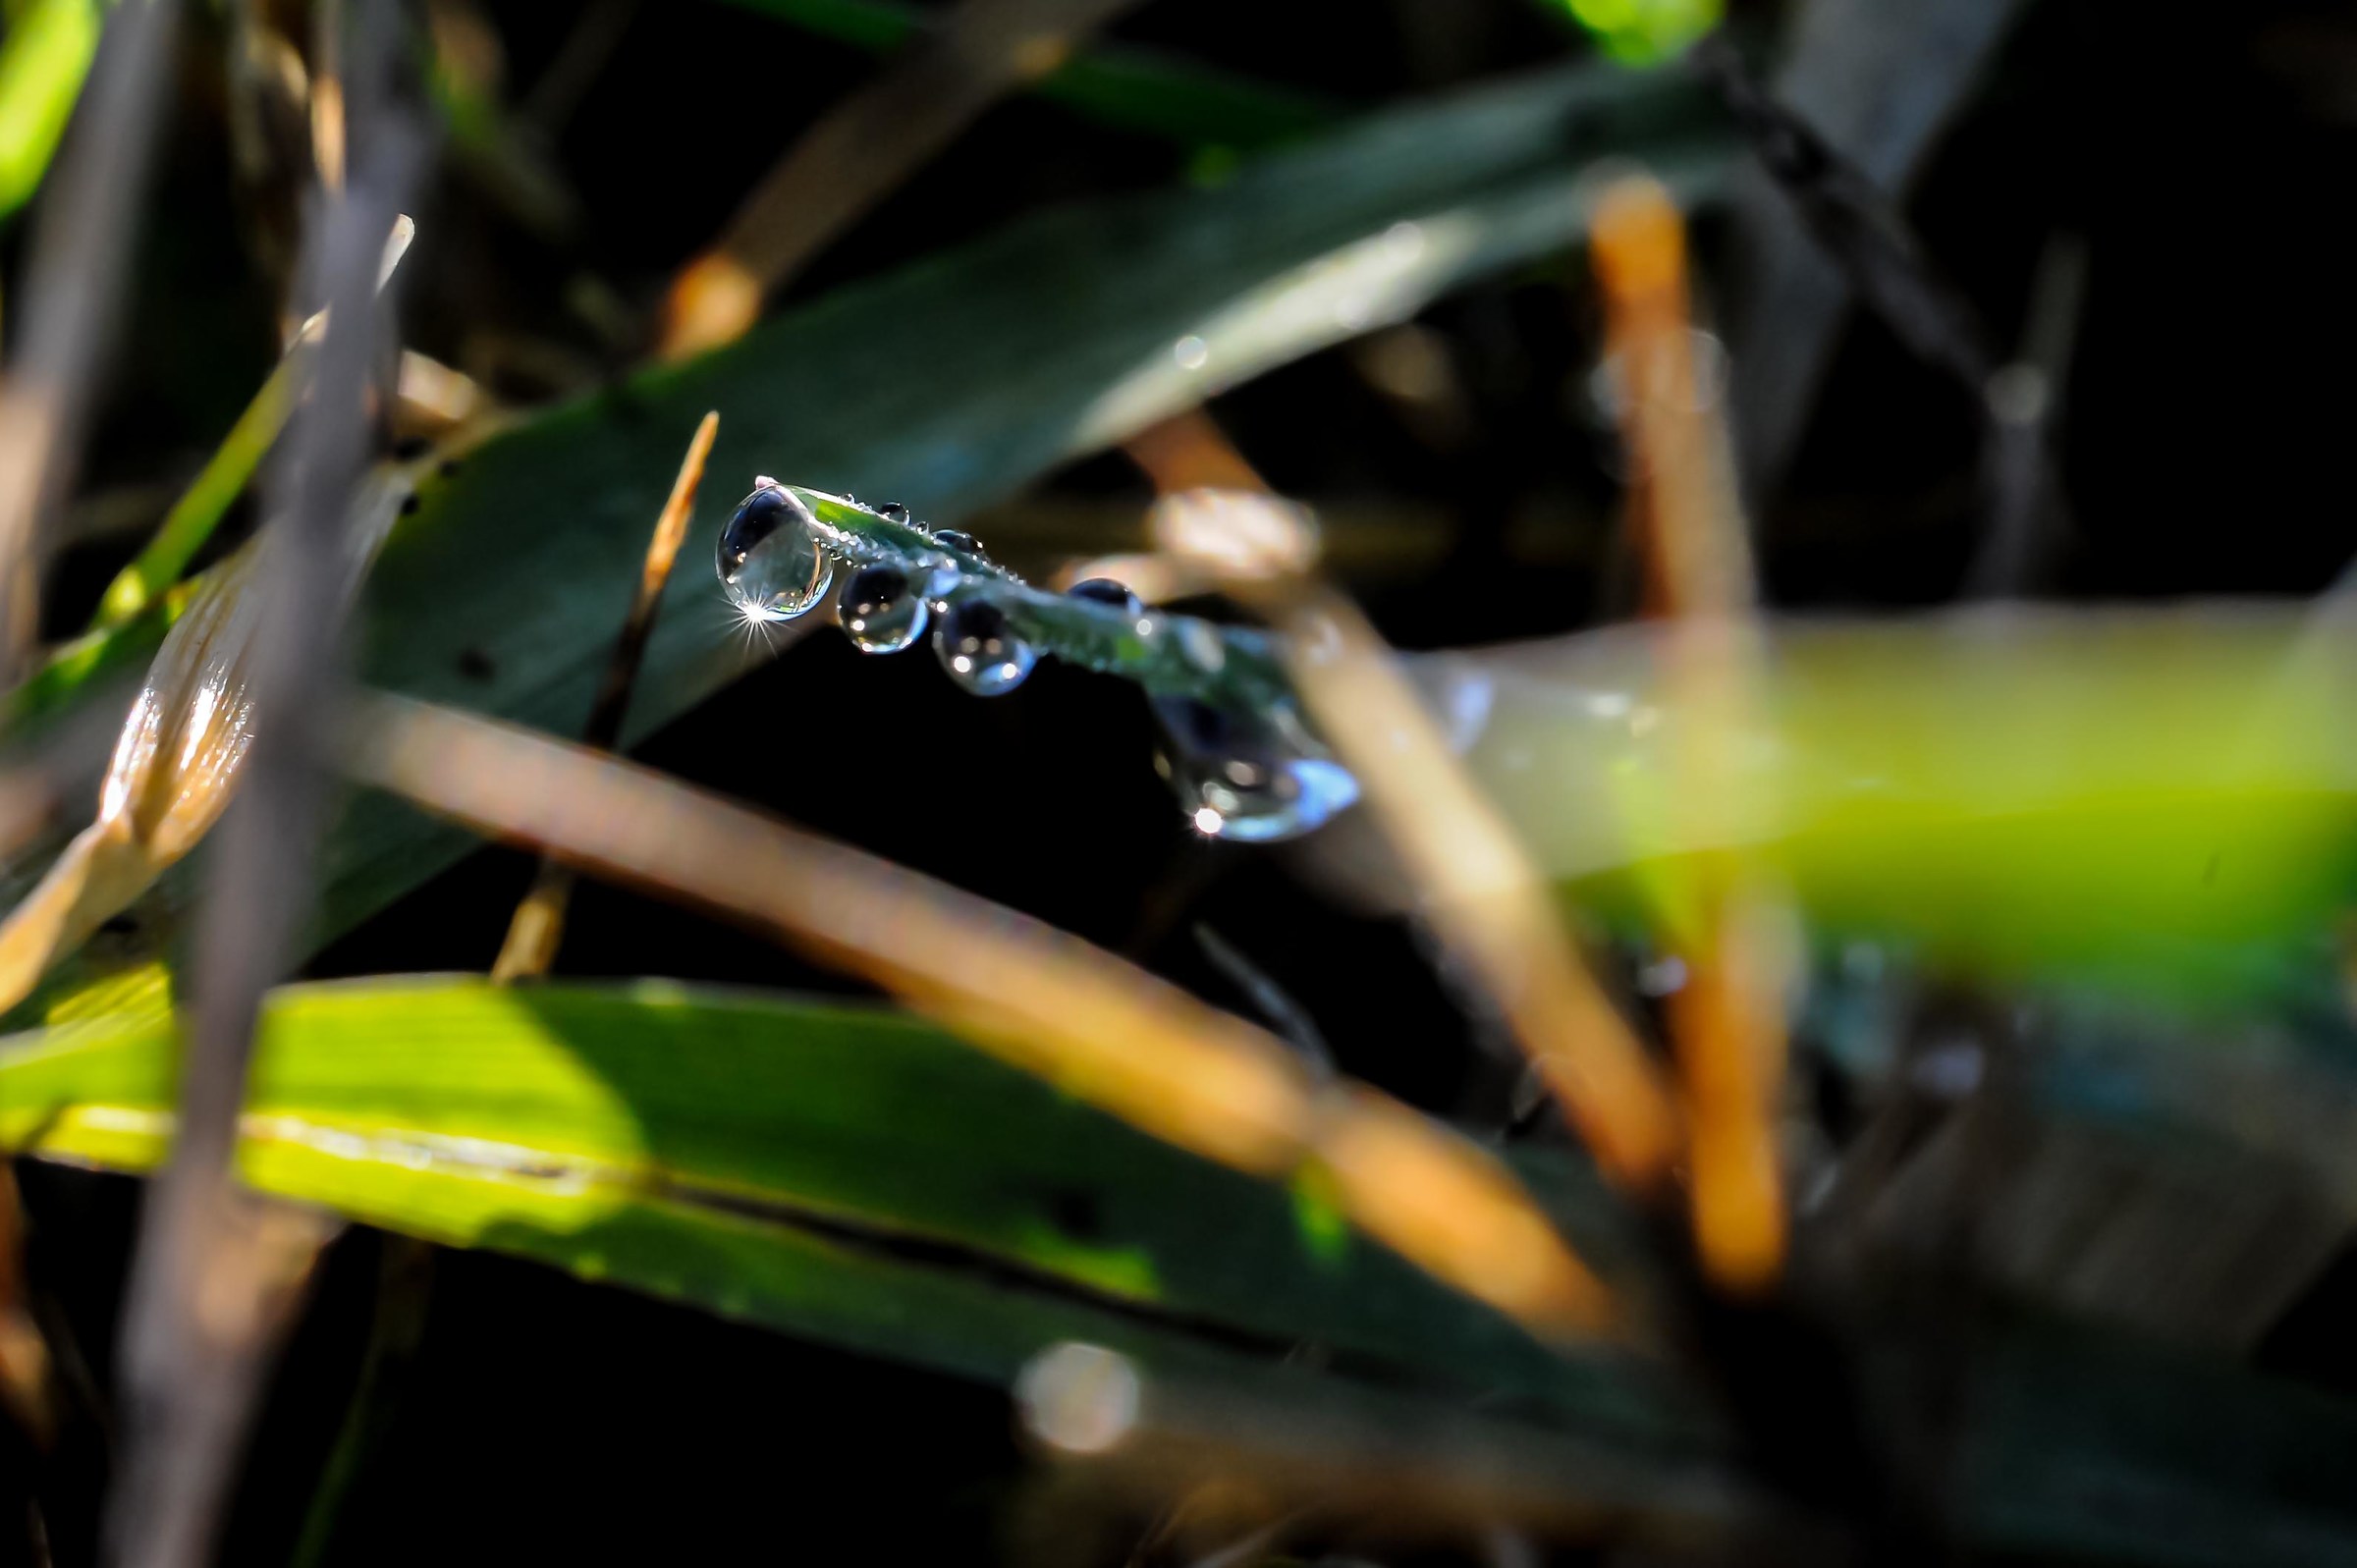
(1191, 352)
(980, 650)
(1243, 778)
(1106, 591)
(957, 539)
(770, 558)
(881, 611)
(893, 512)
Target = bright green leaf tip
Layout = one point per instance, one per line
(42, 63)
(1644, 33)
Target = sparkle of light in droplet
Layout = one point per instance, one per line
(1191, 352)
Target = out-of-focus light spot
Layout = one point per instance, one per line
(1191, 352)
(1080, 1399)
(1043, 54)
(1707, 356)
(1408, 363)
(1237, 532)
(1949, 1070)
(711, 302)
(1208, 822)
(1663, 977)
(433, 395)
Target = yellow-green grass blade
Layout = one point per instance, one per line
(2165, 799)
(43, 60)
(845, 1172)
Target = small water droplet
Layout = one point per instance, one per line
(1106, 591)
(769, 558)
(881, 611)
(1245, 778)
(893, 512)
(980, 650)
(1191, 352)
(957, 539)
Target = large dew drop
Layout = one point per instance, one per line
(980, 650)
(771, 560)
(880, 610)
(1245, 778)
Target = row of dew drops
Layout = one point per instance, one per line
(1249, 776)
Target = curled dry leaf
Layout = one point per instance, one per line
(175, 762)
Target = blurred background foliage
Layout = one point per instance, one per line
(2071, 1065)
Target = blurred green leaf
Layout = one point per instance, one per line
(1128, 88)
(844, 1172)
(43, 60)
(2164, 800)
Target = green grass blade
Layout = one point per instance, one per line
(850, 1176)
(2162, 800)
(208, 498)
(851, 1173)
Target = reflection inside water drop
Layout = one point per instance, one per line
(979, 649)
(880, 610)
(769, 558)
(1245, 778)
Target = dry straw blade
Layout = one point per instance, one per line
(538, 924)
(863, 148)
(175, 766)
(1473, 881)
(1718, 914)
(1035, 996)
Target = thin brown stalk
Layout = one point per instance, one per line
(216, 1272)
(1483, 896)
(1485, 900)
(1035, 996)
(863, 149)
(538, 924)
(1727, 1022)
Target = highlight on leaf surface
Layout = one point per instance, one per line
(844, 1171)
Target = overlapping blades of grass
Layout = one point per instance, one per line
(851, 1173)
